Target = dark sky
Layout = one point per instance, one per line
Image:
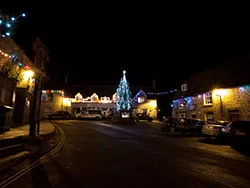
(168, 43)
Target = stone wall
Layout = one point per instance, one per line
(50, 106)
(150, 106)
(224, 101)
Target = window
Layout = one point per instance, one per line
(207, 98)
(210, 116)
(194, 116)
(49, 97)
(182, 115)
(141, 99)
(184, 87)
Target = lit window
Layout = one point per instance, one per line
(207, 98)
(141, 99)
(184, 87)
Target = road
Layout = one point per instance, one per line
(96, 154)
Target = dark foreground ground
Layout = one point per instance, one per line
(105, 155)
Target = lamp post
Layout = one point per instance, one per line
(221, 106)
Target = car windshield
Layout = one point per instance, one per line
(224, 123)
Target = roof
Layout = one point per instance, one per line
(229, 74)
(8, 45)
(100, 90)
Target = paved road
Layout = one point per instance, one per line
(103, 155)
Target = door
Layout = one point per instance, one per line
(234, 115)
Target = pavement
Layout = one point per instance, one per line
(46, 128)
(16, 145)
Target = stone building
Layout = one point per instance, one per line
(92, 97)
(222, 93)
(52, 101)
(17, 78)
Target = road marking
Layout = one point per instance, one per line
(41, 160)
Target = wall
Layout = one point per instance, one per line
(22, 106)
(7, 98)
(224, 101)
(50, 105)
(150, 106)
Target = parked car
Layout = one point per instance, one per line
(143, 116)
(222, 129)
(90, 114)
(216, 129)
(60, 115)
(168, 124)
(240, 133)
(186, 125)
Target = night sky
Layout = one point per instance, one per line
(168, 43)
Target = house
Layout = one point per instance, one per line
(52, 101)
(76, 98)
(17, 79)
(222, 93)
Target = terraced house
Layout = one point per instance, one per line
(17, 81)
(222, 93)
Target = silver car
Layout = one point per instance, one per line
(216, 129)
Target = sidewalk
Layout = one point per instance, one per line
(16, 145)
(46, 128)
(158, 122)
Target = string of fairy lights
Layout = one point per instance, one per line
(8, 23)
(163, 93)
(13, 57)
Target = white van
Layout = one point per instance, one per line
(89, 114)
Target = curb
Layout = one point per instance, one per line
(15, 159)
(10, 161)
(48, 135)
(23, 139)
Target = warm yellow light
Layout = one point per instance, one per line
(220, 92)
(66, 102)
(28, 74)
(153, 103)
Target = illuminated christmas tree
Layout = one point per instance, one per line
(123, 95)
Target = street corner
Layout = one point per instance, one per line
(47, 129)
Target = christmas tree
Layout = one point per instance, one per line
(123, 95)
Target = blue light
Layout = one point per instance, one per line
(12, 18)
(20, 64)
(3, 36)
(8, 25)
(23, 15)
(8, 34)
(1, 21)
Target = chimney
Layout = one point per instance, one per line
(154, 84)
(66, 79)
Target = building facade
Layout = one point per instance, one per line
(222, 93)
(54, 100)
(218, 104)
(17, 81)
